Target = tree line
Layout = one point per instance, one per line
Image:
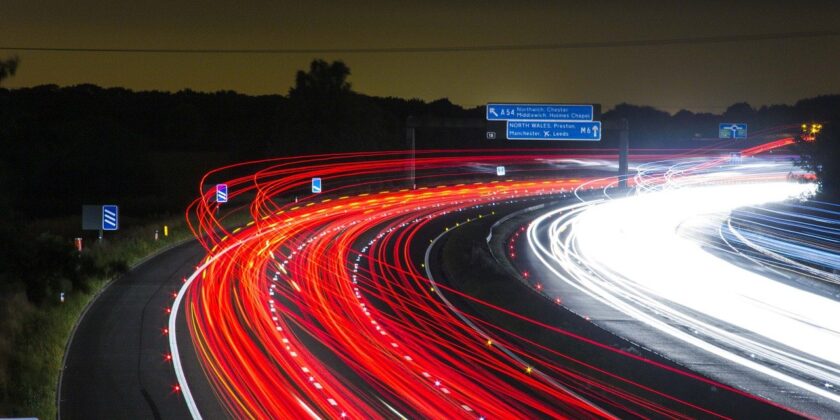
(67, 146)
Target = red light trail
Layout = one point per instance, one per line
(336, 276)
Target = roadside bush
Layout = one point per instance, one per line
(34, 325)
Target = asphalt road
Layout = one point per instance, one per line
(116, 364)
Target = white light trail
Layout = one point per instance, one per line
(649, 257)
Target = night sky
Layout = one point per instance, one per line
(700, 77)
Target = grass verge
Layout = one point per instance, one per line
(33, 337)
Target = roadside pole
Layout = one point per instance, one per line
(623, 153)
(411, 139)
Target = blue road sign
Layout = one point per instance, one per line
(110, 217)
(539, 112)
(554, 130)
(221, 193)
(316, 185)
(732, 131)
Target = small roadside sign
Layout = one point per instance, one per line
(221, 193)
(110, 217)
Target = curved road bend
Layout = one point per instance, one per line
(116, 363)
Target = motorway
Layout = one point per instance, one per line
(369, 301)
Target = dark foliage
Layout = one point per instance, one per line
(8, 67)
(68, 146)
(42, 266)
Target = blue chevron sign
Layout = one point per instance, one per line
(221, 193)
(110, 217)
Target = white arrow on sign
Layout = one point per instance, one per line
(595, 130)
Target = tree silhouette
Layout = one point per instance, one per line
(326, 115)
(739, 112)
(8, 67)
(324, 80)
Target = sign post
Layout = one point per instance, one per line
(732, 131)
(92, 218)
(100, 218)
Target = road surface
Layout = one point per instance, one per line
(116, 364)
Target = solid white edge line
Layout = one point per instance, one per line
(173, 336)
(173, 316)
(173, 342)
(313, 414)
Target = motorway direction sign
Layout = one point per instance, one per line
(316, 185)
(539, 112)
(732, 131)
(221, 193)
(554, 130)
(110, 217)
(500, 171)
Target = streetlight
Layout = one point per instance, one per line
(810, 131)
